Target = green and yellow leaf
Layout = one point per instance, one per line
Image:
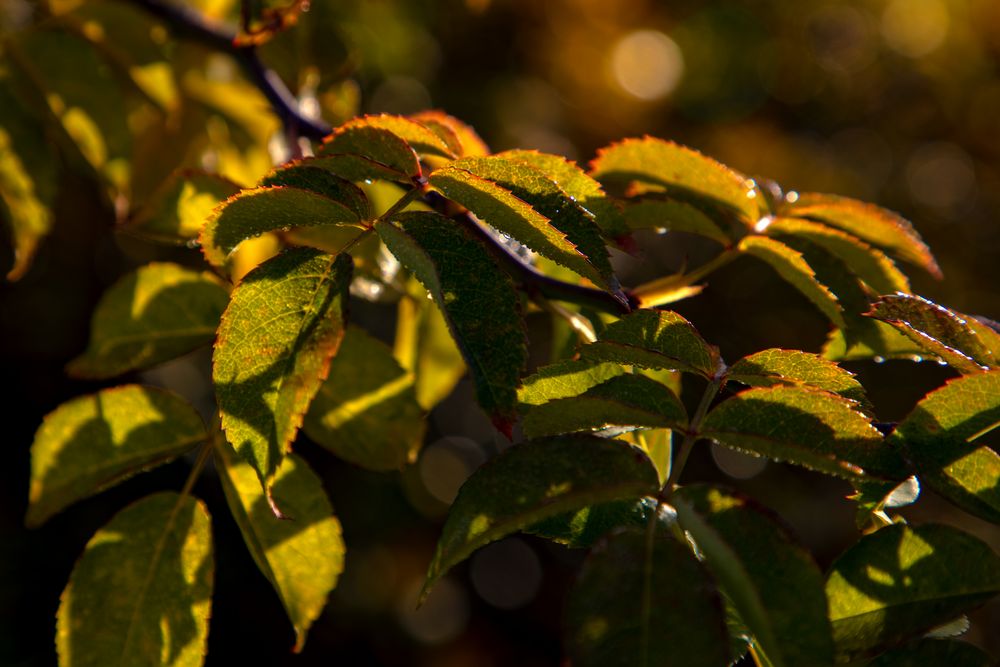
(181, 206)
(768, 368)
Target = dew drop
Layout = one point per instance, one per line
(916, 357)
(661, 230)
(368, 181)
(192, 243)
(751, 194)
(878, 360)
(942, 362)
(792, 196)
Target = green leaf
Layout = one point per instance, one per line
(304, 175)
(772, 581)
(643, 599)
(869, 223)
(302, 556)
(366, 411)
(424, 347)
(582, 528)
(807, 427)
(681, 171)
(934, 652)
(570, 377)
(268, 209)
(141, 592)
(768, 368)
(874, 340)
(283, 325)
(674, 216)
(154, 314)
(901, 581)
(460, 137)
(536, 480)
(422, 139)
(867, 263)
(940, 438)
(179, 208)
(362, 152)
(477, 298)
(575, 182)
(937, 330)
(626, 400)
(93, 442)
(655, 339)
(789, 264)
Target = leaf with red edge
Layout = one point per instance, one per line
(422, 139)
(363, 152)
(460, 137)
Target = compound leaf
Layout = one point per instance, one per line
(775, 366)
(305, 175)
(362, 152)
(422, 139)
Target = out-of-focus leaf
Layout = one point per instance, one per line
(868, 222)
(424, 347)
(93, 442)
(901, 581)
(267, 209)
(655, 339)
(582, 528)
(477, 298)
(626, 400)
(179, 208)
(773, 582)
(460, 137)
(789, 264)
(808, 427)
(928, 652)
(366, 411)
(536, 480)
(303, 175)
(940, 438)
(262, 20)
(152, 315)
(141, 592)
(643, 599)
(773, 367)
(302, 556)
(937, 330)
(570, 377)
(867, 263)
(363, 152)
(673, 216)
(681, 171)
(284, 323)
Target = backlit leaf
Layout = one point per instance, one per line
(674, 216)
(460, 137)
(141, 592)
(773, 367)
(423, 140)
(901, 581)
(283, 325)
(643, 599)
(772, 581)
(940, 438)
(536, 480)
(304, 175)
(477, 298)
(366, 411)
(566, 378)
(808, 427)
(155, 314)
(93, 442)
(934, 652)
(301, 556)
(655, 339)
(789, 264)
(677, 169)
(626, 400)
(363, 152)
(179, 208)
(424, 347)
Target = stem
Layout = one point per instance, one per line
(581, 325)
(402, 202)
(649, 291)
(692, 435)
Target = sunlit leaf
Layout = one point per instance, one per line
(934, 652)
(655, 339)
(774, 367)
(152, 315)
(674, 216)
(566, 378)
(93, 442)
(423, 140)
(643, 599)
(626, 400)
(304, 175)
(940, 438)
(536, 480)
(477, 298)
(366, 411)
(677, 169)
(179, 208)
(363, 152)
(424, 347)
(807, 427)
(301, 556)
(789, 264)
(459, 137)
(901, 581)
(283, 325)
(141, 592)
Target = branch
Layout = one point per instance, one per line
(189, 24)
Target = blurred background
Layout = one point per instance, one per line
(891, 101)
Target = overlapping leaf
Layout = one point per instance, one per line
(675, 216)
(423, 140)
(534, 481)
(808, 427)
(93, 442)
(774, 367)
(155, 314)
(182, 204)
(901, 581)
(940, 437)
(566, 378)
(773, 582)
(362, 152)
(460, 137)
(424, 347)
(141, 591)
(302, 556)
(582, 528)
(366, 411)
(934, 652)
(626, 400)
(477, 298)
(643, 599)
(305, 175)
(283, 325)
